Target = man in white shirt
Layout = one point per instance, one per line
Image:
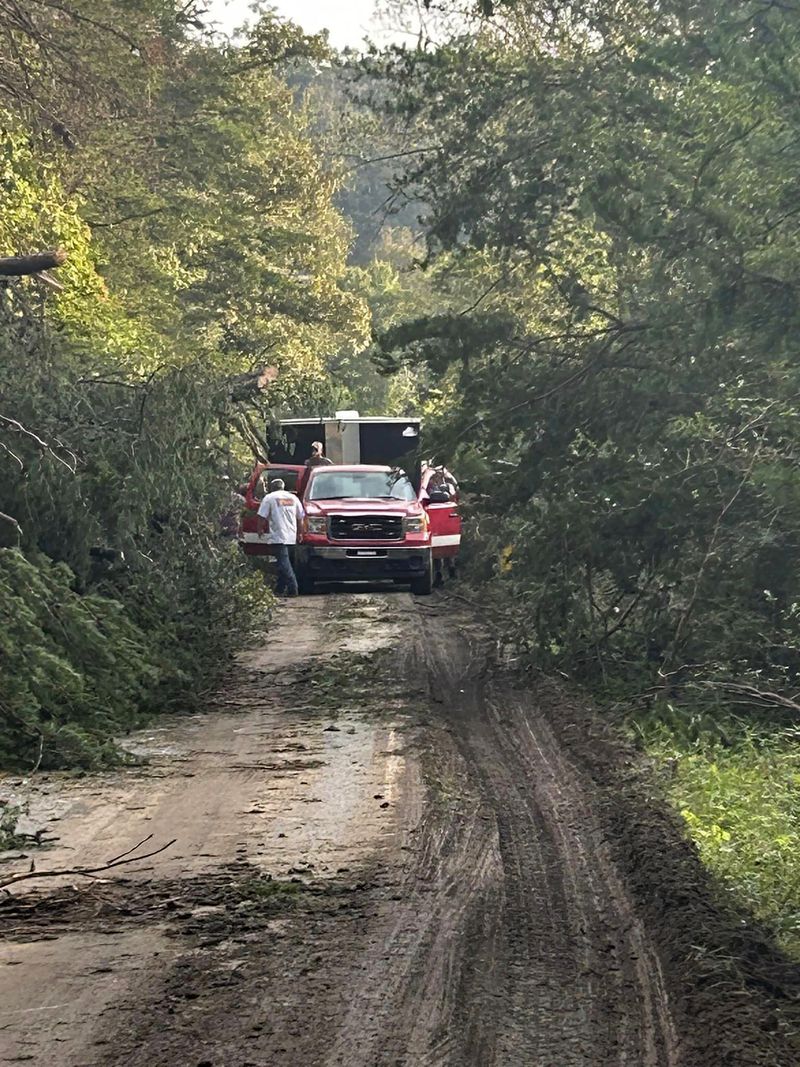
(279, 514)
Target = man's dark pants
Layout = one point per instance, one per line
(287, 580)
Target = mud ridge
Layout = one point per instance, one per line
(689, 982)
(735, 995)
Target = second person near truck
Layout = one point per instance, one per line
(318, 457)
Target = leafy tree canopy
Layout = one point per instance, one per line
(623, 181)
(180, 176)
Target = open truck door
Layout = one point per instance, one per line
(294, 476)
(439, 497)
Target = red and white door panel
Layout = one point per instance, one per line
(254, 543)
(440, 499)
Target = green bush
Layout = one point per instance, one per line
(72, 666)
(739, 793)
(136, 380)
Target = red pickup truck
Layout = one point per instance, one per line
(364, 520)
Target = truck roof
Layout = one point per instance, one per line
(382, 467)
(358, 418)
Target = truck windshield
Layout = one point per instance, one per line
(371, 485)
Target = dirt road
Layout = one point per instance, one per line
(388, 851)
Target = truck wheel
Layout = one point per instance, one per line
(423, 586)
(305, 583)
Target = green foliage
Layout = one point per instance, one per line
(621, 188)
(179, 175)
(73, 667)
(739, 798)
(76, 668)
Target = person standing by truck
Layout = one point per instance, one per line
(278, 515)
(318, 458)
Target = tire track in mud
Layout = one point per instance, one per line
(553, 881)
(580, 982)
(421, 974)
(589, 916)
(588, 988)
(514, 943)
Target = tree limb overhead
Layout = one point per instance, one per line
(16, 266)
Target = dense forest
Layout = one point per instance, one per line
(202, 290)
(564, 232)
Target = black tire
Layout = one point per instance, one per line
(423, 586)
(438, 574)
(305, 583)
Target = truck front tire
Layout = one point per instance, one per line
(423, 585)
(305, 583)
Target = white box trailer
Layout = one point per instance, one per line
(349, 438)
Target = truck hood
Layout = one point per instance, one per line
(358, 506)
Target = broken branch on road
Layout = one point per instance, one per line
(88, 872)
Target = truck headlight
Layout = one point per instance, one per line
(316, 524)
(415, 523)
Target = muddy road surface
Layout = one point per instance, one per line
(387, 850)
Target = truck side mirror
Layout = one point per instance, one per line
(438, 496)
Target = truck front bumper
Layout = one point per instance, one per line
(340, 563)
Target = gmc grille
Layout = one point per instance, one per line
(366, 528)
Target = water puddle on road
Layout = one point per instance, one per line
(335, 814)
